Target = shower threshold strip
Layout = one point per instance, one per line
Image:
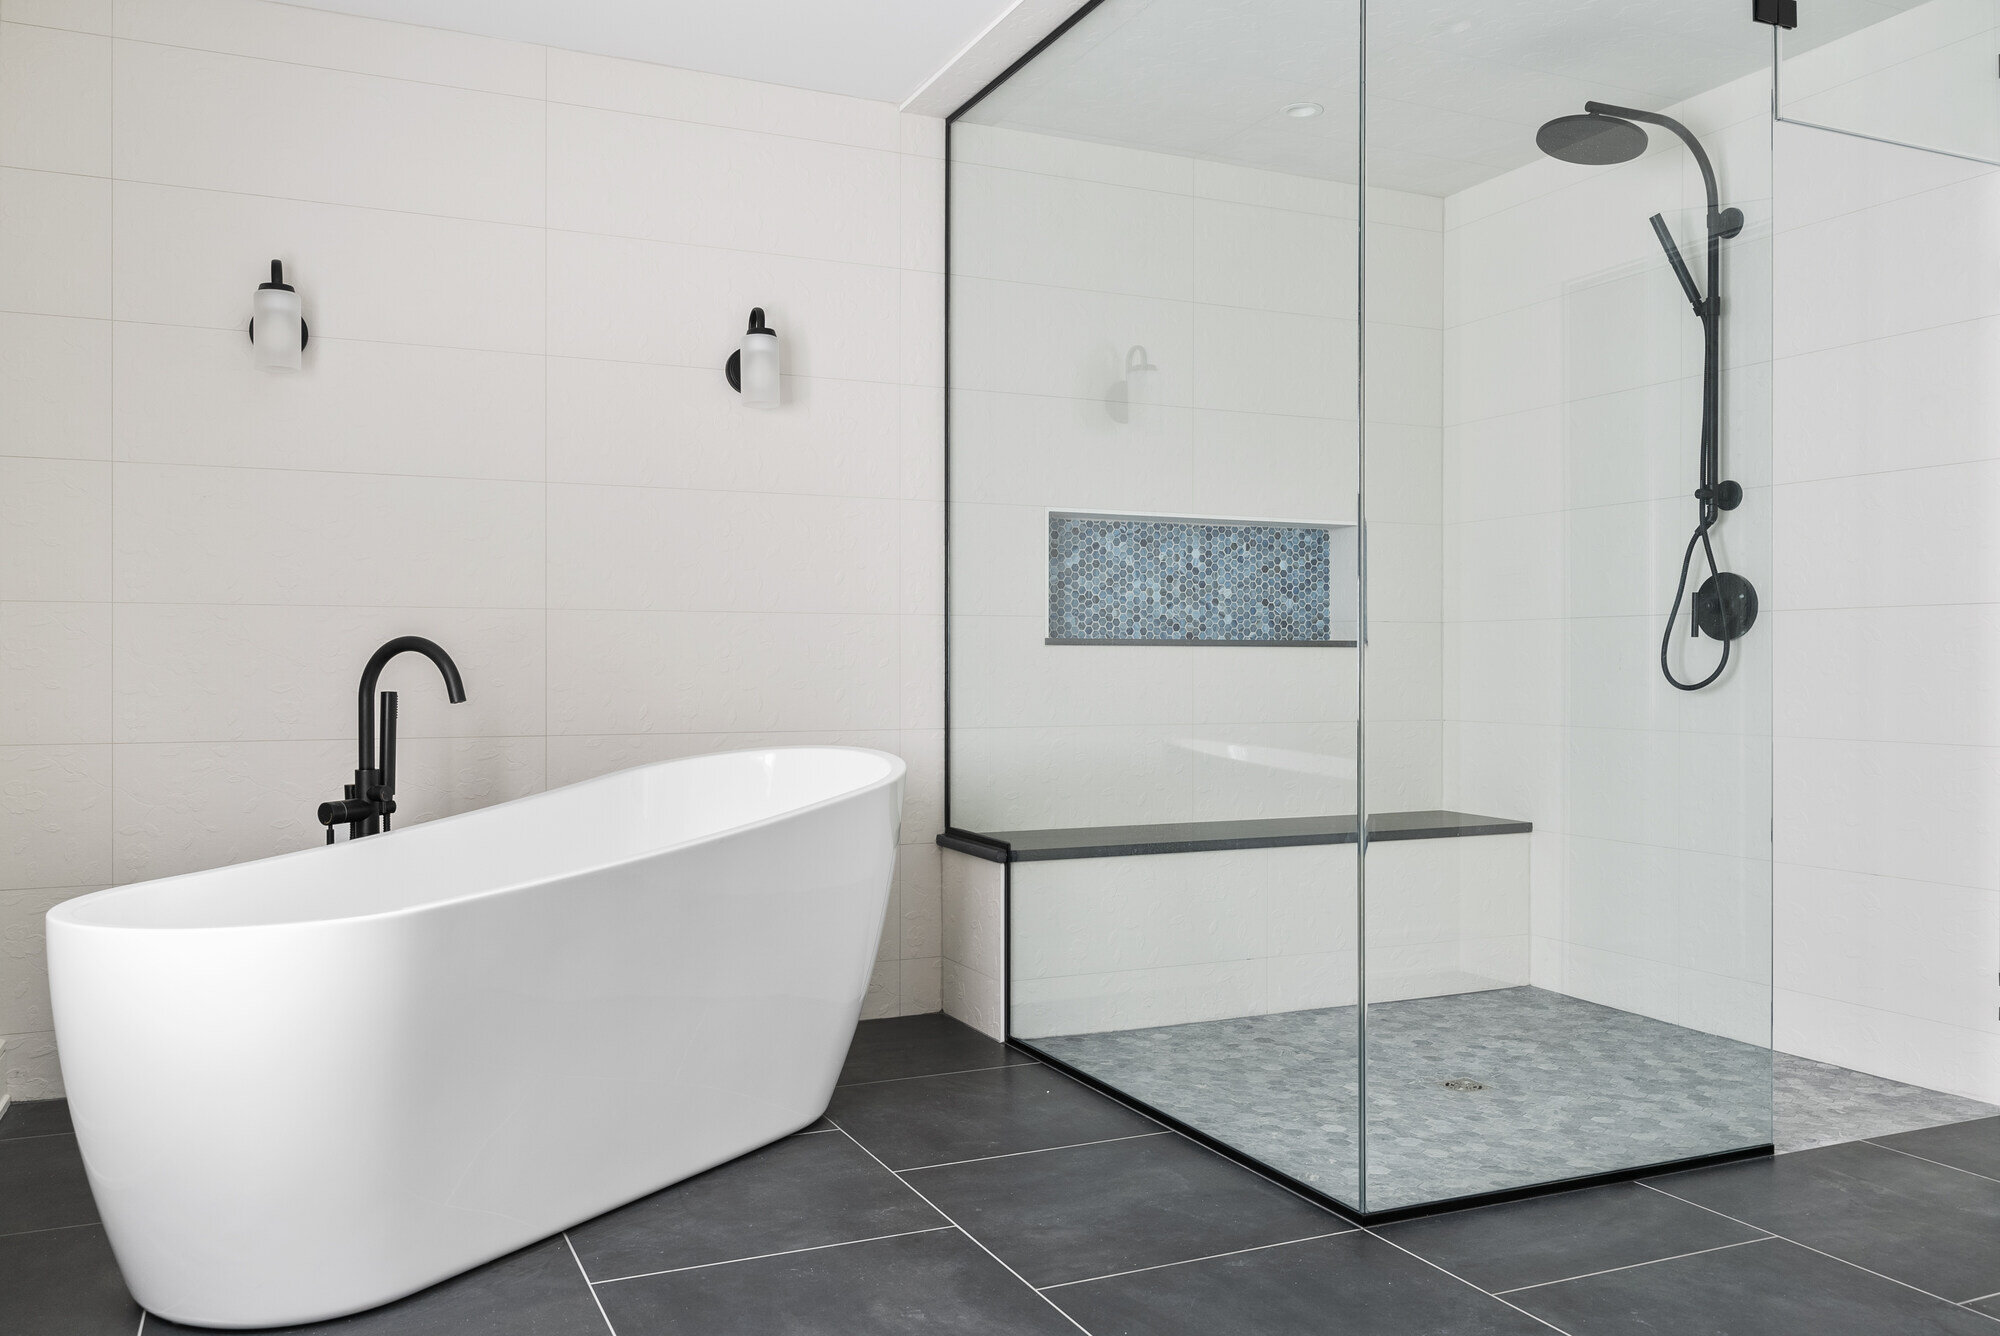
(1186, 837)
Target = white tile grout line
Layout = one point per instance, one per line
(1928, 1160)
(1786, 1238)
(588, 1284)
(1634, 1266)
(925, 1076)
(1039, 1150)
(1979, 1298)
(1468, 1284)
(782, 1252)
(962, 1230)
(1235, 1252)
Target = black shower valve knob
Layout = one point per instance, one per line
(1726, 495)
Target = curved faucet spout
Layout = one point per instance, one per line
(454, 686)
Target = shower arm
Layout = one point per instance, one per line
(1715, 220)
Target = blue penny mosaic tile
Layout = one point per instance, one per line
(1144, 579)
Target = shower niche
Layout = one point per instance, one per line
(1372, 842)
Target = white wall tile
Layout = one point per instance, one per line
(55, 100)
(608, 297)
(1116, 238)
(190, 396)
(714, 99)
(192, 534)
(195, 257)
(55, 386)
(301, 36)
(641, 672)
(56, 804)
(182, 118)
(729, 188)
(55, 242)
(655, 548)
(55, 672)
(1881, 540)
(272, 672)
(76, 15)
(631, 424)
(1890, 808)
(55, 529)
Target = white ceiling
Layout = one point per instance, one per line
(882, 49)
(1456, 88)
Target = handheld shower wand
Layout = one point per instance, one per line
(1725, 606)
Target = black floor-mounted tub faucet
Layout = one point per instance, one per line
(371, 798)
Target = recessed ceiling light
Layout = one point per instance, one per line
(1301, 110)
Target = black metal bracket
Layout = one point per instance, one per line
(732, 371)
(1777, 13)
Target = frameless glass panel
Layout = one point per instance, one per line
(1569, 974)
(1154, 557)
(1919, 72)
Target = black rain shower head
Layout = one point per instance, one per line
(1591, 140)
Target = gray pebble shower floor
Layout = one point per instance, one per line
(1570, 1088)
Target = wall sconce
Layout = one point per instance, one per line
(753, 368)
(1138, 387)
(285, 334)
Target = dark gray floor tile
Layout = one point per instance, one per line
(1989, 1306)
(1066, 1215)
(34, 1118)
(998, 1112)
(802, 1192)
(1973, 1146)
(1354, 1285)
(42, 1184)
(63, 1282)
(1770, 1288)
(1920, 1223)
(918, 1285)
(921, 1046)
(535, 1292)
(1569, 1234)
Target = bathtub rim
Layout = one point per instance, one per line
(63, 914)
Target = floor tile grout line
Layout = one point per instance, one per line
(588, 1283)
(1928, 1160)
(1039, 1150)
(1786, 1238)
(1634, 1266)
(963, 1230)
(1463, 1281)
(1190, 1261)
(43, 1136)
(925, 1076)
(48, 1229)
(760, 1257)
(1980, 1298)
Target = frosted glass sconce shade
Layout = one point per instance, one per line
(278, 329)
(753, 368)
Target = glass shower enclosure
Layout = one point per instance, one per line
(1358, 507)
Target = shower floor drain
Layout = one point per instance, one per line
(1463, 1083)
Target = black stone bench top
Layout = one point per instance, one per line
(1187, 837)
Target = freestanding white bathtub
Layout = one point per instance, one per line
(312, 1084)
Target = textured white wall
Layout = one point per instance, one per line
(1241, 286)
(1888, 610)
(523, 269)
